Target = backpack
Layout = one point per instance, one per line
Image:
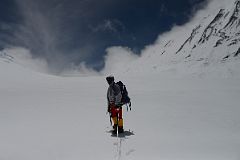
(125, 98)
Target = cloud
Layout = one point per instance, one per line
(117, 59)
(79, 70)
(113, 25)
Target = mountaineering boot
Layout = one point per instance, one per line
(114, 127)
(120, 126)
(114, 131)
(120, 129)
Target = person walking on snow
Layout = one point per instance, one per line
(114, 97)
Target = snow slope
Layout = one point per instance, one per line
(48, 117)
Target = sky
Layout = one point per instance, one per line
(68, 33)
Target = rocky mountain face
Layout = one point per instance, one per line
(223, 30)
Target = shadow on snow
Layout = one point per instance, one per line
(122, 135)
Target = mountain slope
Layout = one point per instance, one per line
(48, 117)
